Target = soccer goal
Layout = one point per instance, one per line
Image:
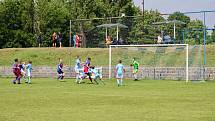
(157, 61)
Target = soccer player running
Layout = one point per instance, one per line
(17, 72)
(60, 70)
(22, 68)
(29, 71)
(97, 75)
(120, 70)
(135, 64)
(86, 69)
(78, 69)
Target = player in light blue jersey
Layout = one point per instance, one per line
(97, 75)
(29, 71)
(120, 70)
(78, 69)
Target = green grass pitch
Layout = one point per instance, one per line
(144, 100)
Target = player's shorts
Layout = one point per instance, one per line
(119, 75)
(17, 74)
(23, 72)
(28, 73)
(60, 73)
(77, 70)
(135, 71)
(59, 40)
(54, 41)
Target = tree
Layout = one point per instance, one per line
(213, 36)
(52, 16)
(149, 32)
(194, 32)
(177, 16)
(13, 25)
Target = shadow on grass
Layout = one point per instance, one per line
(62, 81)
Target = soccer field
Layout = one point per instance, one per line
(145, 100)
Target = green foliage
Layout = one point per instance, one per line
(179, 16)
(142, 30)
(194, 34)
(212, 37)
(15, 27)
(23, 20)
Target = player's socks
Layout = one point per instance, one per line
(121, 81)
(90, 78)
(77, 77)
(118, 83)
(136, 77)
(80, 80)
(24, 77)
(59, 77)
(19, 80)
(29, 80)
(26, 81)
(14, 81)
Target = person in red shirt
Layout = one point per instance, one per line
(17, 72)
(78, 41)
(86, 69)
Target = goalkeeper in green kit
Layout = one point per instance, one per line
(135, 64)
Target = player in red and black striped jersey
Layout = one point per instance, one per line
(17, 72)
(86, 69)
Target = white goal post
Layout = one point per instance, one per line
(152, 45)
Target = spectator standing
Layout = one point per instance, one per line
(40, 39)
(74, 39)
(108, 41)
(54, 39)
(60, 38)
(160, 39)
(78, 41)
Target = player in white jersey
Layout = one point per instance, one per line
(23, 69)
(78, 69)
(29, 70)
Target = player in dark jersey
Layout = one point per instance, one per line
(60, 70)
(87, 69)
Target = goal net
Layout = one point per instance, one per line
(158, 61)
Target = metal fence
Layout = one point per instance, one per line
(151, 73)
